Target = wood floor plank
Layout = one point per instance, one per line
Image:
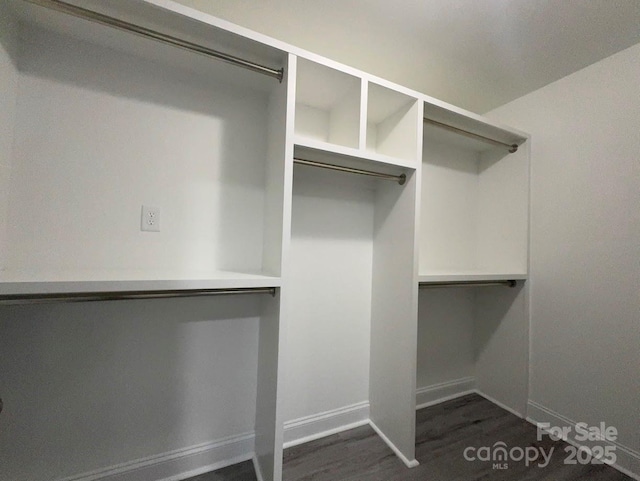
(443, 432)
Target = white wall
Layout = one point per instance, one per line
(91, 385)
(9, 89)
(328, 336)
(445, 336)
(585, 243)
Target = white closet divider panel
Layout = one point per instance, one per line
(269, 419)
(392, 388)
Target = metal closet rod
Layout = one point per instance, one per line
(508, 283)
(400, 179)
(158, 36)
(128, 295)
(512, 147)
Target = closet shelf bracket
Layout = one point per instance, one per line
(102, 19)
(127, 295)
(507, 283)
(512, 147)
(400, 179)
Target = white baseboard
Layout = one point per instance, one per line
(499, 404)
(256, 468)
(444, 391)
(628, 460)
(316, 426)
(178, 464)
(410, 463)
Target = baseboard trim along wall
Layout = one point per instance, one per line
(316, 426)
(410, 463)
(178, 464)
(628, 460)
(444, 391)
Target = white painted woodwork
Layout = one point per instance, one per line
(391, 123)
(474, 216)
(394, 315)
(97, 122)
(327, 104)
(474, 227)
(163, 136)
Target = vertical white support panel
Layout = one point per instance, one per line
(394, 311)
(394, 318)
(9, 89)
(269, 417)
(364, 106)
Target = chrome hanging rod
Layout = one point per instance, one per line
(512, 147)
(127, 295)
(508, 283)
(100, 18)
(400, 179)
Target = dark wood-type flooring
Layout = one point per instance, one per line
(443, 433)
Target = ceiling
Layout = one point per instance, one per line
(477, 54)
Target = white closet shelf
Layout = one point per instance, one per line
(460, 276)
(471, 123)
(58, 282)
(318, 147)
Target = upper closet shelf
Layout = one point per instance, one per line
(467, 130)
(317, 147)
(462, 276)
(161, 35)
(128, 281)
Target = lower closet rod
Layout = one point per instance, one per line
(127, 295)
(508, 283)
(400, 179)
(512, 147)
(96, 17)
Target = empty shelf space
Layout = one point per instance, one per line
(327, 104)
(392, 123)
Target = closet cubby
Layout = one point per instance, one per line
(327, 105)
(474, 217)
(392, 123)
(102, 124)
